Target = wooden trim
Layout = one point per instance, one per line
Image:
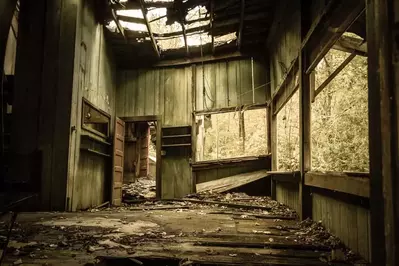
(158, 165)
(231, 109)
(286, 177)
(144, 118)
(153, 42)
(331, 40)
(198, 60)
(95, 152)
(334, 74)
(242, 15)
(358, 186)
(106, 136)
(204, 165)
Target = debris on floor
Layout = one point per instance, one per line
(142, 188)
(182, 230)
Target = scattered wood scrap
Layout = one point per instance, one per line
(231, 182)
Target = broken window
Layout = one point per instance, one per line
(288, 135)
(231, 134)
(339, 126)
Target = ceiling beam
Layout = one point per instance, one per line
(118, 24)
(154, 44)
(131, 19)
(239, 38)
(211, 22)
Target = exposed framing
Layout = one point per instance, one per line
(158, 165)
(153, 42)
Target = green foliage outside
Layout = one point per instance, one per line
(223, 139)
(339, 120)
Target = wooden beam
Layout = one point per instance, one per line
(154, 44)
(358, 186)
(118, 25)
(240, 30)
(130, 19)
(351, 10)
(205, 59)
(7, 8)
(286, 177)
(212, 15)
(305, 200)
(383, 88)
(333, 75)
(214, 164)
(351, 45)
(231, 109)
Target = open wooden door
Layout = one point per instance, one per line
(117, 177)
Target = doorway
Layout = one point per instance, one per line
(142, 158)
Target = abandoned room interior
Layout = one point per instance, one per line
(199, 132)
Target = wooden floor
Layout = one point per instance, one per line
(183, 233)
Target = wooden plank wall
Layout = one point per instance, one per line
(163, 91)
(11, 49)
(169, 92)
(286, 43)
(89, 185)
(349, 222)
(229, 83)
(288, 194)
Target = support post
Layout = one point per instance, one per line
(383, 83)
(305, 201)
(273, 146)
(239, 39)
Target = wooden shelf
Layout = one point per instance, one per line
(96, 152)
(176, 145)
(176, 136)
(95, 138)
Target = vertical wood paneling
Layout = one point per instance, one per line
(288, 194)
(347, 221)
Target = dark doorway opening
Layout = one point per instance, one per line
(141, 177)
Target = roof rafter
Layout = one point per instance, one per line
(239, 39)
(154, 44)
(212, 4)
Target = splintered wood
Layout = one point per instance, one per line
(231, 182)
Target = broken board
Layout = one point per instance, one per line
(231, 182)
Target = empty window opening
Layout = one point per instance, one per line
(95, 120)
(339, 127)
(288, 135)
(231, 135)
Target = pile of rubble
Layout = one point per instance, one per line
(142, 188)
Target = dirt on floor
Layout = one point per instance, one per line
(235, 230)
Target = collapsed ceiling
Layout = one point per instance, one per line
(167, 29)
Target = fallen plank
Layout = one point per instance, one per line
(231, 182)
(254, 216)
(149, 208)
(227, 204)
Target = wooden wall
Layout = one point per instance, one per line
(230, 84)
(285, 45)
(89, 186)
(11, 48)
(349, 222)
(164, 91)
(175, 92)
(288, 194)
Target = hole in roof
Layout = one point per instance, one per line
(134, 13)
(126, 25)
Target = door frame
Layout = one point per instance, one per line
(158, 165)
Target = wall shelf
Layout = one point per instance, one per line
(177, 136)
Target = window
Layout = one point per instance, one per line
(231, 134)
(340, 115)
(95, 120)
(288, 135)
